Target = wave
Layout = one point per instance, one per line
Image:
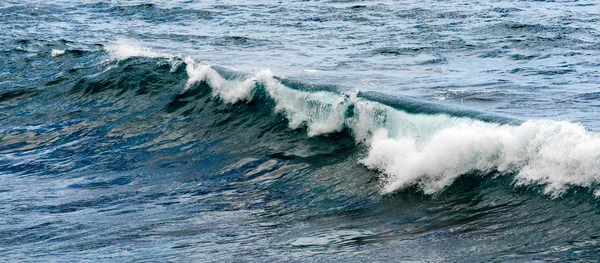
(57, 52)
(125, 48)
(413, 143)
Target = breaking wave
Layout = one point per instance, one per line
(412, 143)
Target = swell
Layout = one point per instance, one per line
(409, 142)
(425, 145)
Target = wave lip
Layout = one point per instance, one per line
(319, 112)
(231, 91)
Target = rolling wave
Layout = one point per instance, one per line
(410, 143)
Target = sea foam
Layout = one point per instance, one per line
(124, 49)
(57, 52)
(551, 153)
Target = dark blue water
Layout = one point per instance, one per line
(301, 131)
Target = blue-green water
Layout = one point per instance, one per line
(301, 131)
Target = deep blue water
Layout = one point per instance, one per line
(300, 131)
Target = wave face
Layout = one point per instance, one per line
(428, 150)
(304, 131)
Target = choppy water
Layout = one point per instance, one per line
(327, 131)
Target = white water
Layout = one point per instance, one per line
(57, 52)
(230, 91)
(124, 49)
(551, 153)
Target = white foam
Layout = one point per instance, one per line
(124, 49)
(57, 52)
(230, 91)
(551, 153)
(320, 112)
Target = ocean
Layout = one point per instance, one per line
(300, 131)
